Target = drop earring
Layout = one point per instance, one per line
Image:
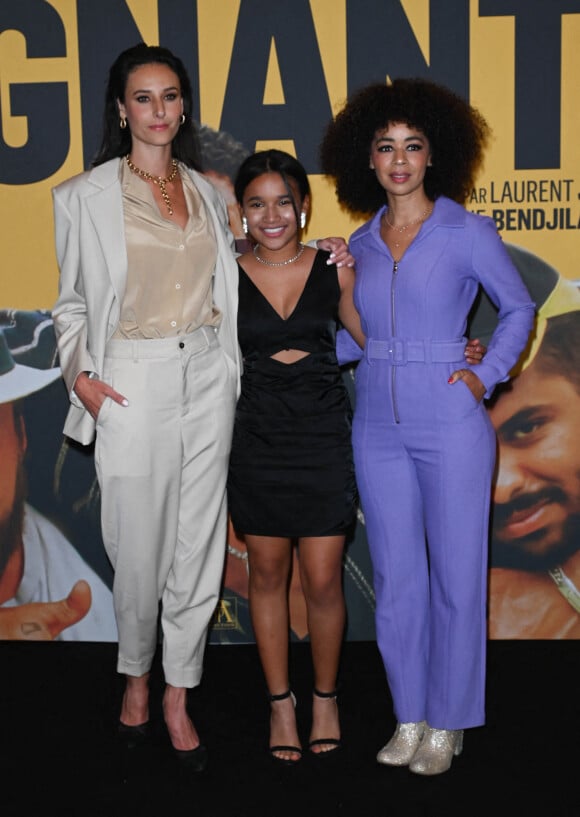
(122, 123)
(182, 119)
(302, 220)
(245, 225)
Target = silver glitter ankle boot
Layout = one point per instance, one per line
(436, 751)
(403, 745)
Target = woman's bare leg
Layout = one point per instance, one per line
(135, 704)
(320, 561)
(182, 732)
(270, 560)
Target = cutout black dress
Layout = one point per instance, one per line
(291, 467)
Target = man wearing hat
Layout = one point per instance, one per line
(47, 590)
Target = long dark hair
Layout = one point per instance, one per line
(273, 161)
(116, 141)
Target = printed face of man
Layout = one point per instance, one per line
(536, 516)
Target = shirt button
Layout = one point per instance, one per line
(177, 286)
(174, 323)
(181, 344)
(181, 246)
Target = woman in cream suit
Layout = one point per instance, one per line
(146, 327)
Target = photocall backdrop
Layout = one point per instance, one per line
(271, 74)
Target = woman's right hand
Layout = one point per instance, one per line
(93, 392)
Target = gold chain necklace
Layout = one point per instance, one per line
(278, 263)
(423, 217)
(156, 179)
(425, 214)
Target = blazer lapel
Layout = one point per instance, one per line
(105, 208)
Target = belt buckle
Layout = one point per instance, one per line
(399, 352)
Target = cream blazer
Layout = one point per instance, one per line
(92, 257)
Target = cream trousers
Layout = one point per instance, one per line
(162, 466)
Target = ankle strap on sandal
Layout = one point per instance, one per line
(281, 697)
(320, 694)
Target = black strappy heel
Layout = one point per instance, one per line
(283, 748)
(336, 743)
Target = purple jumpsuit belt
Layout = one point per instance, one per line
(399, 351)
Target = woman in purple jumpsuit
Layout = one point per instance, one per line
(424, 446)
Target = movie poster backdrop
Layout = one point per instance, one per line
(271, 74)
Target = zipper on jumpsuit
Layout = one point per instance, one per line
(394, 368)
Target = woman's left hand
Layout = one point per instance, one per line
(474, 351)
(471, 380)
(339, 252)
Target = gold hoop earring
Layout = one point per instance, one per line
(122, 123)
(182, 119)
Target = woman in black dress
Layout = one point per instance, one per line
(291, 471)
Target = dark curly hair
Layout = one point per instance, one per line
(116, 141)
(457, 135)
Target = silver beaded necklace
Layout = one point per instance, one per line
(278, 263)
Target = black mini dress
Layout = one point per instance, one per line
(291, 467)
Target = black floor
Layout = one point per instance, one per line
(59, 705)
